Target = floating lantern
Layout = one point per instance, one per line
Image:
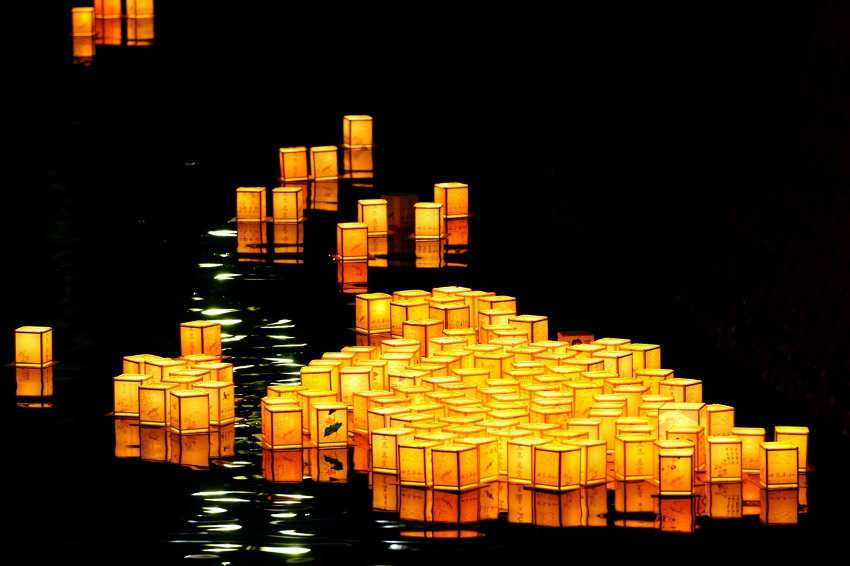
(385, 442)
(455, 466)
(373, 213)
(617, 361)
(136, 363)
(778, 467)
(83, 32)
(309, 397)
(695, 434)
(219, 371)
(190, 411)
(353, 380)
(293, 164)
(422, 330)
(126, 393)
(644, 356)
(415, 463)
(357, 130)
(372, 312)
(154, 403)
(163, 367)
(288, 204)
(723, 459)
(428, 220)
(402, 310)
(324, 162)
(675, 471)
(681, 414)
(378, 376)
(186, 378)
(33, 345)
(351, 240)
(799, 437)
(683, 390)
(454, 197)
(751, 439)
(582, 394)
(557, 466)
(633, 457)
(455, 315)
(329, 424)
(221, 401)
(652, 377)
(250, 204)
(200, 337)
(281, 424)
(594, 467)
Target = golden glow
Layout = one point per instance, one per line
(221, 528)
(226, 233)
(216, 312)
(285, 550)
(226, 276)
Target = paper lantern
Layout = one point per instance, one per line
(190, 411)
(644, 356)
(360, 408)
(414, 458)
(402, 310)
(585, 364)
(293, 164)
(520, 459)
(288, 204)
(324, 162)
(353, 379)
(633, 457)
(281, 424)
(221, 401)
(428, 220)
(163, 367)
(385, 442)
(186, 378)
(329, 424)
(453, 315)
(594, 467)
(361, 353)
(582, 393)
(155, 403)
(683, 390)
(126, 393)
(372, 312)
(751, 438)
(421, 330)
(250, 204)
(83, 33)
(488, 456)
(33, 345)
(617, 361)
(373, 213)
(455, 466)
(723, 459)
(694, 434)
(200, 337)
(454, 197)
(357, 130)
(219, 371)
(351, 240)
(309, 397)
(652, 377)
(557, 466)
(681, 414)
(778, 465)
(675, 471)
(799, 437)
(136, 363)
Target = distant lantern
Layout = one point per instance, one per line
(219, 371)
(324, 162)
(652, 377)
(190, 411)
(454, 197)
(83, 33)
(406, 309)
(682, 389)
(126, 393)
(372, 312)
(293, 164)
(799, 437)
(200, 337)
(357, 130)
(288, 203)
(422, 330)
(351, 240)
(778, 465)
(428, 220)
(373, 213)
(644, 356)
(250, 204)
(33, 344)
(536, 327)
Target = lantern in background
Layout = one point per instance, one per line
(83, 33)
(402, 310)
(683, 390)
(126, 393)
(681, 414)
(288, 203)
(250, 204)
(652, 377)
(644, 356)
(799, 437)
(293, 164)
(400, 213)
(428, 220)
(190, 411)
(385, 442)
(357, 130)
(778, 465)
(324, 162)
(219, 371)
(351, 240)
(140, 19)
(536, 327)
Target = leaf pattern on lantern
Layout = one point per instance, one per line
(331, 429)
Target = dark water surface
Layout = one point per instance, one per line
(633, 190)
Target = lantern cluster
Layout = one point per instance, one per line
(179, 410)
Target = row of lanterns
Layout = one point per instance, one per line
(110, 22)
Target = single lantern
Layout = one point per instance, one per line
(200, 337)
(324, 162)
(190, 411)
(681, 414)
(402, 310)
(309, 397)
(633, 457)
(454, 197)
(617, 361)
(221, 401)
(695, 434)
(428, 220)
(644, 356)
(385, 442)
(162, 368)
(329, 424)
(155, 403)
(293, 164)
(357, 130)
(452, 315)
(83, 33)
(372, 312)
(675, 471)
(557, 466)
(33, 345)
(281, 425)
(373, 213)
(455, 466)
(751, 439)
(250, 204)
(219, 371)
(421, 330)
(414, 458)
(723, 459)
(778, 465)
(652, 377)
(126, 393)
(351, 241)
(683, 390)
(594, 467)
(352, 380)
(288, 204)
(799, 437)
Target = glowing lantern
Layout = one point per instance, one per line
(324, 162)
(293, 164)
(288, 204)
(352, 380)
(536, 327)
(557, 466)
(83, 32)
(634, 397)
(723, 459)
(329, 424)
(633, 457)
(33, 345)
(644, 356)
(200, 337)
(361, 353)
(452, 315)
(372, 312)
(414, 458)
(351, 240)
(454, 197)
(186, 378)
(593, 466)
(281, 424)
(455, 466)
(693, 434)
(488, 456)
(675, 471)
(751, 438)
(585, 364)
(402, 310)
(721, 420)
(357, 130)
(778, 465)
(219, 371)
(799, 437)
(385, 442)
(520, 459)
(154, 403)
(309, 397)
(373, 213)
(422, 330)
(582, 394)
(126, 393)
(34, 380)
(378, 377)
(617, 361)
(286, 391)
(221, 401)
(250, 204)
(190, 411)
(360, 408)
(683, 390)
(136, 363)
(652, 377)
(681, 414)
(428, 220)
(140, 18)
